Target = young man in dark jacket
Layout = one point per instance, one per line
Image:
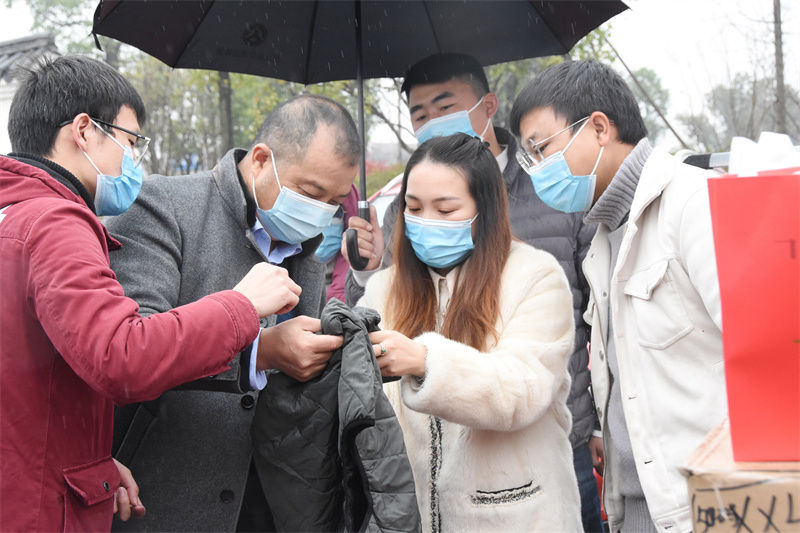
(71, 343)
(449, 93)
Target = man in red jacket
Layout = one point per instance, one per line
(71, 343)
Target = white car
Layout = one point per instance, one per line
(385, 196)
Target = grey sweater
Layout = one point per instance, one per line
(612, 209)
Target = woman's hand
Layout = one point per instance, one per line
(397, 354)
(370, 239)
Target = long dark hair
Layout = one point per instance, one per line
(474, 305)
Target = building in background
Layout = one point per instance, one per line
(15, 54)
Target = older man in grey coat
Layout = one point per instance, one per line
(189, 236)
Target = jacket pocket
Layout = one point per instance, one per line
(89, 495)
(656, 304)
(512, 495)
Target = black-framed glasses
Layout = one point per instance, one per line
(140, 145)
(529, 157)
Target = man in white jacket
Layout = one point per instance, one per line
(656, 349)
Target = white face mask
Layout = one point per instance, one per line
(457, 122)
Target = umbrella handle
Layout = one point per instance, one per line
(356, 261)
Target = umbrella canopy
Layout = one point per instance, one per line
(311, 41)
(315, 41)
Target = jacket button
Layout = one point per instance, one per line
(602, 355)
(226, 496)
(248, 401)
(106, 486)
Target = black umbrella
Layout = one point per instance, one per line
(310, 41)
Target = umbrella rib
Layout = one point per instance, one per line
(310, 38)
(200, 23)
(433, 30)
(553, 33)
(110, 11)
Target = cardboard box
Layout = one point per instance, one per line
(740, 497)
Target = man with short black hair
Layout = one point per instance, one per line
(187, 236)
(656, 348)
(71, 343)
(449, 93)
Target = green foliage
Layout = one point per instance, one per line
(595, 46)
(70, 22)
(743, 107)
(658, 93)
(182, 113)
(508, 79)
(184, 105)
(378, 178)
(254, 97)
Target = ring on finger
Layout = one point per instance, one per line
(383, 349)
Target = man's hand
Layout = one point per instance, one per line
(370, 239)
(270, 289)
(126, 498)
(294, 348)
(598, 457)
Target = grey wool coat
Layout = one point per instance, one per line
(567, 238)
(332, 448)
(190, 450)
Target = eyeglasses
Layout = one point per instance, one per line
(140, 145)
(528, 159)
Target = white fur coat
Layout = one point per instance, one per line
(487, 432)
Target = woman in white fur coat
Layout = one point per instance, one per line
(480, 329)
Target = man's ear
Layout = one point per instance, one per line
(82, 129)
(490, 100)
(260, 157)
(602, 126)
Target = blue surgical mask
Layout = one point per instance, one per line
(457, 122)
(439, 243)
(294, 218)
(113, 195)
(331, 240)
(558, 187)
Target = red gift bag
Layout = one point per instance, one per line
(756, 224)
